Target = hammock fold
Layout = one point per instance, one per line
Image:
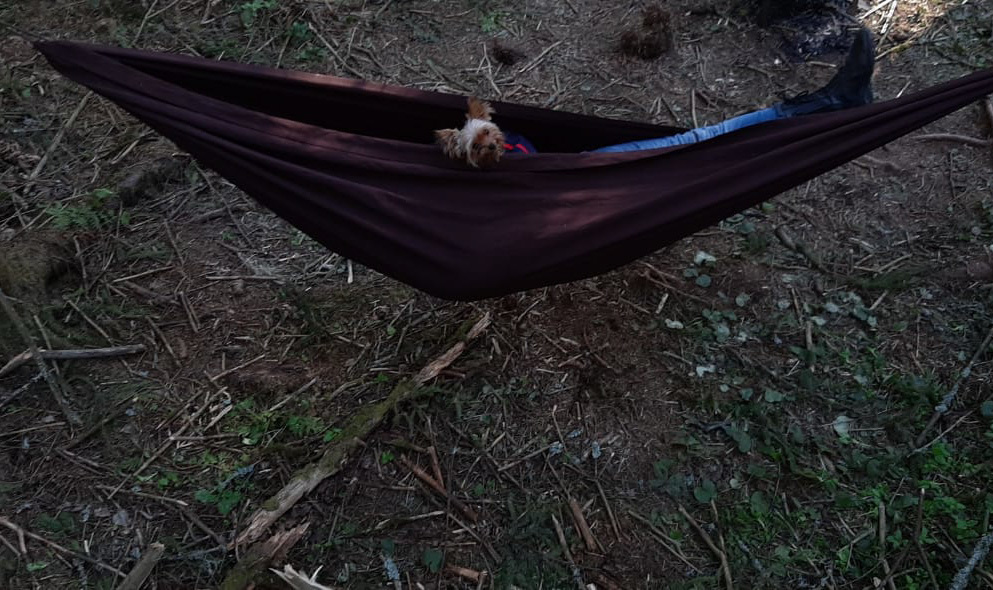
(351, 164)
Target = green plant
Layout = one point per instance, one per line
(705, 492)
(226, 495)
(169, 478)
(303, 426)
(224, 500)
(299, 32)
(90, 214)
(63, 523)
(433, 559)
(490, 22)
(249, 11)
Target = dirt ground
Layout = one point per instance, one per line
(750, 407)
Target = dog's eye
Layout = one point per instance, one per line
(486, 131)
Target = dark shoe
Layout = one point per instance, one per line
(850, 87)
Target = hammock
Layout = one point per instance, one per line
(350, 164)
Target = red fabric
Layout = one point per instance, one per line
(351, 164)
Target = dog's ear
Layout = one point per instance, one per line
(479, 109)
(448, 139)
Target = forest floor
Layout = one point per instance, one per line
(768, 384)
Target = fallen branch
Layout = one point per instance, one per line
(53, 385)
(165, 446)
(57, 140)
(23, 533)
(256, 561)
(476, 577)
(961, 579)
(799, 248)
(438, 489)
(13, 394)
(140, 572)
(582, 526)
(68, 355)
(662, 539)
(870, 163)
(577, 574)
(436, 466)
(299, 580)
(20, 536)
(110, 416)
(973, 141)
(720, 555)
(881, 508)
(337, 454)
(946, 402)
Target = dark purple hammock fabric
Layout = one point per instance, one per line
(351, 164)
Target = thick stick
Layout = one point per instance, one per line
(70, 414)
(973, 141)
(257, 560)
(961, 579)
(337, 454)
(142, 569)
(721, 556)
(58, 139)
(582, 525)
(577, 575)
(438, 489)
(59, 548)
(60, 355)
(949, 398)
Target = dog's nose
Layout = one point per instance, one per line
(492, 147)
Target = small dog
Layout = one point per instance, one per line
(480, 141)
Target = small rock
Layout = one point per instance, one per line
(106, 25)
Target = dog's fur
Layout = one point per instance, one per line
(480, 142)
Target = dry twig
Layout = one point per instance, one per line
(57, 140)
(582, 526)
(257, 560)
(23, 533)
(713, 548)
(663, 540)
(576, 573)
(142, 569)
(881, 508)
(952, 137)
(54, 385)
(63, 355)
(337, 454)
(961, 579)
(947, 401)
(439, 489)
(463, 572)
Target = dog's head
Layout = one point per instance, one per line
(483, 143)
(480, 142)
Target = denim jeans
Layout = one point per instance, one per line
(698, 134)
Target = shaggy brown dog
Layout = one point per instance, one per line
(480, 142)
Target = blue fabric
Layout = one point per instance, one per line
(517, 143)
(698, 134)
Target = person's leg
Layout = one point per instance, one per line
(698, 134)
(849, 87)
